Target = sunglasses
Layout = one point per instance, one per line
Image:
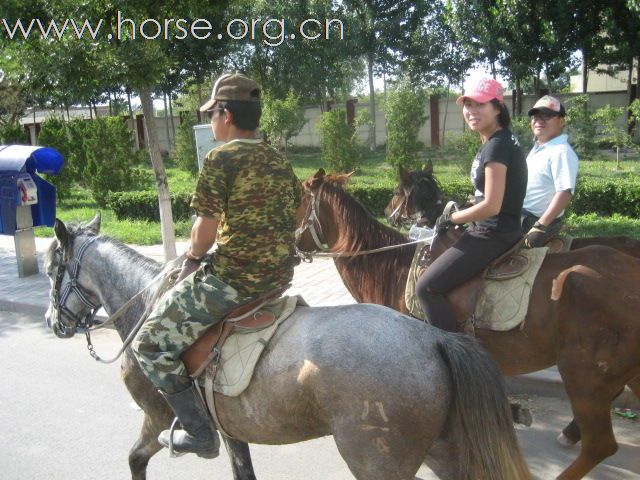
(211, 113)
(544, 116)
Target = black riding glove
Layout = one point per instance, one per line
(443, 223)
(536, 237)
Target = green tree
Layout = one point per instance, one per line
(282, 119)
(404, 109)
(581, 126)
(184, 150)
(340, 149)
(607, 117)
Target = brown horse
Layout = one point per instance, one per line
(583, 312)
(418, 199)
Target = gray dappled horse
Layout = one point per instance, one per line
(393, 392)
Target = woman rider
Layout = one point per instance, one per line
(499, 175)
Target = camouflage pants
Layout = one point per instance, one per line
(180, 318)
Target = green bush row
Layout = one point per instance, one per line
(144, 205)
(607, 197)
(604, 197)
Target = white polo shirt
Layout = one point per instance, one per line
(552, 167)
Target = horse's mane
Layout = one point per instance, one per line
(358, 229)
(134, 258)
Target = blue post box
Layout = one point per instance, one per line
(26, 199)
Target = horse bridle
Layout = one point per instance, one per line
(59, 298)
(311, 222)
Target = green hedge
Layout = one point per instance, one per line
(144, 205)
(607, 197)
(604, 197)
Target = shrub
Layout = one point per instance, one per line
(184, 150)
(521, 126)
(144, 205)
(610, 133)
(13, 133)
(108, 146)
(55, 133)
(464, 146)
(404, 109)
(374, 197)
(581, 127)
(607, 197)
(282, 119)
(340, 149)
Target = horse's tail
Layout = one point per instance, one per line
(488, 445)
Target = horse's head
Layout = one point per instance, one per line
(313, 231)
(72, 303)
(416, 200)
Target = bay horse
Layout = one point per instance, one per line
(394, 393)
(583, 311)
(418, 199)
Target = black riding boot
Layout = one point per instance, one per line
(199, 435)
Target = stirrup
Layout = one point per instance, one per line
(172, 452)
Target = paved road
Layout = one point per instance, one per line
(66, 417)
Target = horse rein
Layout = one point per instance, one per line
(311, 221)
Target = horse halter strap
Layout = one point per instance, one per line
(59, 298)
(310, 222)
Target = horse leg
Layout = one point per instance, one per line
(571, 433)
(240, 457)
(598, 442)
(378, 453)
(145, 447)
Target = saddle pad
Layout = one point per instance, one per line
(241, 351)
(410, 297)
(502, 304)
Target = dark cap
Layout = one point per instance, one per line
(549, 105)
(233, 87)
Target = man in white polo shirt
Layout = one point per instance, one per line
(553, 167)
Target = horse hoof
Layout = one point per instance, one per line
(563, 440)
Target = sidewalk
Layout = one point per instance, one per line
(318, 282)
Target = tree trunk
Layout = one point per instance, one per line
(164, 199)
(133, 121)
(372, 104)
(35, 131)
(446, 111)
(110, 105)
(585, 72)
(166, 120)
(173, 125)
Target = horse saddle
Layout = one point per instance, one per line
(503, 274)
(246, 317)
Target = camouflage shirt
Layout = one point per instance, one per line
(252, 191)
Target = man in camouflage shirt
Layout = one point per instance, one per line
(245, 198)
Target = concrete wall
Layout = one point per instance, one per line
(450, 117)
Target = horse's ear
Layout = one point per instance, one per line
(428, 167)
(315, 181)
(61, 233)
(94, 225)
(405, 176)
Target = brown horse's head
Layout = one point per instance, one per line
(313, 234)
(416, 200)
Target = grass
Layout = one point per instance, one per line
(448, 164)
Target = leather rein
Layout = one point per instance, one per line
(311, 222)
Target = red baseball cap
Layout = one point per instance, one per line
(483, 90)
